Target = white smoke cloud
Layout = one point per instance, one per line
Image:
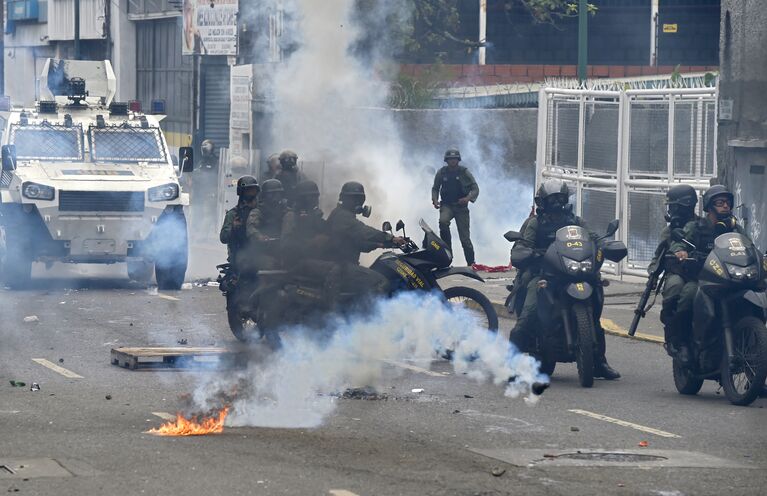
(297, 386)
(330, 106)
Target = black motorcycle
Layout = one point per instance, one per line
(283, 298)
(570, 295)
(729, 338)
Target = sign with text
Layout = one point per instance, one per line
(210, 27)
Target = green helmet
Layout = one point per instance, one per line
(715, 192)
(271, 186)
(452, 153)
(306, 188)
(288, 159)
(354, 190)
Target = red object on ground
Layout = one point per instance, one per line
(488, 268)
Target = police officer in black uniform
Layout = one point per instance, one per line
(553, 212)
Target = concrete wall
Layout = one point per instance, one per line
(742, 144)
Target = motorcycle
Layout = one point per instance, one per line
(728, 343)
(283, 298)
(570, 295)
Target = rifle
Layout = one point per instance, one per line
(652, 283)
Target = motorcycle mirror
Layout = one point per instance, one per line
(400, 225)
(612, 228)
(512, 236)
(386, 226)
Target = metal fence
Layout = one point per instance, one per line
(621, 149)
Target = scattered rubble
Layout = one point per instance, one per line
(31, 318)
(574, 429)
(364, 393)
(17, 383)
(35, 387)
(108, 397)
(498, 471)
(182, 341)
(417, 390)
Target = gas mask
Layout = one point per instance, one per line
(364, 210)
(678, 214)
(725, 224)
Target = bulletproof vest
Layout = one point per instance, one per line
(548, 227)
(704, 237)
(272, 221)
(452, 189)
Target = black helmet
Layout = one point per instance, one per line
(452, 153)
(714, 192)
(352, 189)
(683, 195)
(247, 184)
(307, 195)
(306, 188)
(552, 195)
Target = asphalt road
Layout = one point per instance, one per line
(433, 442)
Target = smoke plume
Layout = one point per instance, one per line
(298, 385)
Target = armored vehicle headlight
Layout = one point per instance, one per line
(35, 191)
(166, 192)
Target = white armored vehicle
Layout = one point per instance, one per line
(87, 180)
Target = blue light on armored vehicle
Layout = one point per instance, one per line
(35, 191)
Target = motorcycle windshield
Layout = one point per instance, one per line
(735, 249)
(574, 243)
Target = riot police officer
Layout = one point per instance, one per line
(680, 201)
(205, 189)
(273, 166)
(717, 204)
(263, 229)
(455, 186)
(289, 175)
(351, 237)
(233, 230)
(553, 212)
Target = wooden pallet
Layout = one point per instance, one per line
(168, 358)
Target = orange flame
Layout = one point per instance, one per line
(192, 427)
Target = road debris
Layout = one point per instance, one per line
(182, 341)
(61, 360)
(417, 390)
(468, 396)
(31, 318)
(35, 387)
(643, 444)
(108, 397)
(498, 471)
(574, 428)
(364, 393)
(18, 383)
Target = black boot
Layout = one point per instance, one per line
(602, 369)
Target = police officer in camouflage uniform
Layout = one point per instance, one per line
(553, 212)
(351, 237)
(456, 187)
(681, 201)
(263, 230)
(717, 203)
(233, 230)
(307, 249)
(273, 167)
(289, 175)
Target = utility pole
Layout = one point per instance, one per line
(482, 30)
(583, 40)
(654, 32)
(77, 29)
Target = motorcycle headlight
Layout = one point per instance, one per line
(750, 273)
(35, 191)
(575, 267)
(166, 192)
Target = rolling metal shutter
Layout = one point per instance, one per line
(216, 102)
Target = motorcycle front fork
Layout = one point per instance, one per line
(729, 346)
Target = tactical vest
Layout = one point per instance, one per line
(452, 189)
(548, 227)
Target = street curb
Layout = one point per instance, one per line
(608, 325)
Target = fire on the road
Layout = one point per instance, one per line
(192, 427)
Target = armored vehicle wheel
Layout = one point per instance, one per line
(17, 266)
(584, 352)
(171, 251)
(140, 272)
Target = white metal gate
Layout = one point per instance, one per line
(620, 150)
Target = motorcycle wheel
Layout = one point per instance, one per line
(477, 302)
(584, 351)
(743, 377)
(683, 379)
(242, 326)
